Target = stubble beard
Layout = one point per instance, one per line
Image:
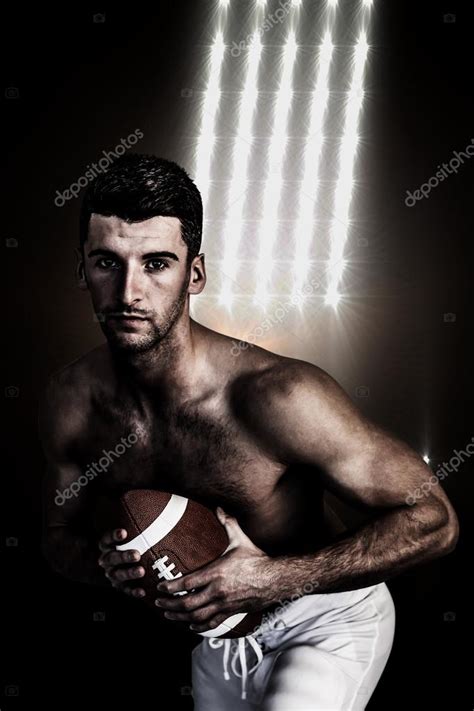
(155, 338)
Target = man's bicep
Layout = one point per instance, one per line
(373, 469)
(315, 423)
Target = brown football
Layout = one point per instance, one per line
(175, 536)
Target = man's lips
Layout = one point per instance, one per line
(127, 317)
(126, 321)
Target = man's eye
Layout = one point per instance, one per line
(156, 265)
(107, 263)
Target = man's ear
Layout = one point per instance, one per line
(197, 276)
(80, 270)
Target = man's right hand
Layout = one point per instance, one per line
(120, 566)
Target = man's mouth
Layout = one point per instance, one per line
(126, 321)
(127, 317)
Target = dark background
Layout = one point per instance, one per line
(81, 87)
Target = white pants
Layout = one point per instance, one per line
(321, 652)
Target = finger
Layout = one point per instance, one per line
(133, 592)
(199, 617)
(112, 558)
(235, 534)
(122, 574)
(198, 579)
(111, 538)
(185, 603)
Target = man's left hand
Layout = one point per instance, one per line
(244, 579)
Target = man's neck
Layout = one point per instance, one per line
(171, 369)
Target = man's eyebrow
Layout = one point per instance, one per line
(158, 255)
(149, 255)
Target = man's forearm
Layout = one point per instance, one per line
(74, 556)
(383, 548)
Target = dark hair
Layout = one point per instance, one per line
(137, 187)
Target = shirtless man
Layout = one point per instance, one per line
(260, 436)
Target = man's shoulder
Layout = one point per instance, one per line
(75, 378)
(254, 371)
(278, 400)
(65, 403)
(267, 384)
(292, 408)
(277, 377)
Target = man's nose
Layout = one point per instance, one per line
(132, 284)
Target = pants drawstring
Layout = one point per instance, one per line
(238, 656)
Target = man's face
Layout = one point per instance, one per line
(138, 277)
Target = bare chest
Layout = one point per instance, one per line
(202, 456)
(208, 457)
